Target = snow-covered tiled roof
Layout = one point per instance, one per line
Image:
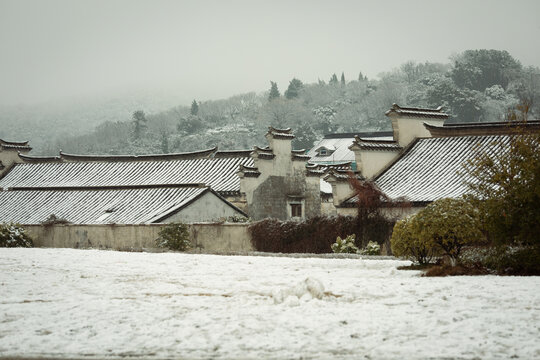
(338, 146)
(14, 145)
(119, 206)
(417, 112)
(483, 128)
(280, 133)
(218, 173)
(428, 170)
(370, 144)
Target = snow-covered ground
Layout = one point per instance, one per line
(95, 304)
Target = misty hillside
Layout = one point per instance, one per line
(477, 85)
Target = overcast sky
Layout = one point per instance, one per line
(52, 49)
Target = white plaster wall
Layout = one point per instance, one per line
(410, 128)
(328, 208)
(205, 209)
(373, 161)
(8, 158)
(390, 213)
(341, 191)
(210, 238)
(347, 211)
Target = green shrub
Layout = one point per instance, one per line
(174, 236)
(514, 260)
(450, 224)
(372, 248)
(14, 235)
(345, 246)
(406, 243)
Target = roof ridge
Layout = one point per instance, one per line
(199, 154)
(397, 107)
(14, 143)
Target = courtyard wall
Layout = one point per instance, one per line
(205, 237)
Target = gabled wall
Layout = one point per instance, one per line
(281, 181)
(206, 208)
(8, 158)
(371, 162)
(406, 129)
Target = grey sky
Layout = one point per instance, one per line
(213, 49)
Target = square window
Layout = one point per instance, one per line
(296, 210)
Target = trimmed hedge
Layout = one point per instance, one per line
(315, 235)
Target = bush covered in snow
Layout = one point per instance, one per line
(174, 236)
(372, 248)
(14, 235)
(345, 246)
(238, 219)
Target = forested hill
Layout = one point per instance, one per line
(477, 85)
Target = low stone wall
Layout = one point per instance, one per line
(205, 237)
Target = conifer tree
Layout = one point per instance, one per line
(333, 80)
(274, 92)
(194, 108)
(342, 79)
(294, 88)
(139, 123)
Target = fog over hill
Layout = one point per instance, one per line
(74, 72)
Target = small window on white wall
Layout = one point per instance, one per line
(296, 210)
(295, 206)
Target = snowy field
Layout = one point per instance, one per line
(64, 303)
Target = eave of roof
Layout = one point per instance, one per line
(280, 133)
(13, 143)
(491, 128)
(232, 153)
(417, 112)
(152, 157)
(364, 134)
(375, 145)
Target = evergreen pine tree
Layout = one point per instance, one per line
(139, 123)
(342, 79)
(194, 108)
(333, 80)
(294, 88)
(274, 92)
(164, 143)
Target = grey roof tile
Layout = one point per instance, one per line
(218, 173)
(119, 206)
(430, 168)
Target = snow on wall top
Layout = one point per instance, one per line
(119, 206)
(218, 173)
(417, 112)
(429, 169)
(14, 145)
